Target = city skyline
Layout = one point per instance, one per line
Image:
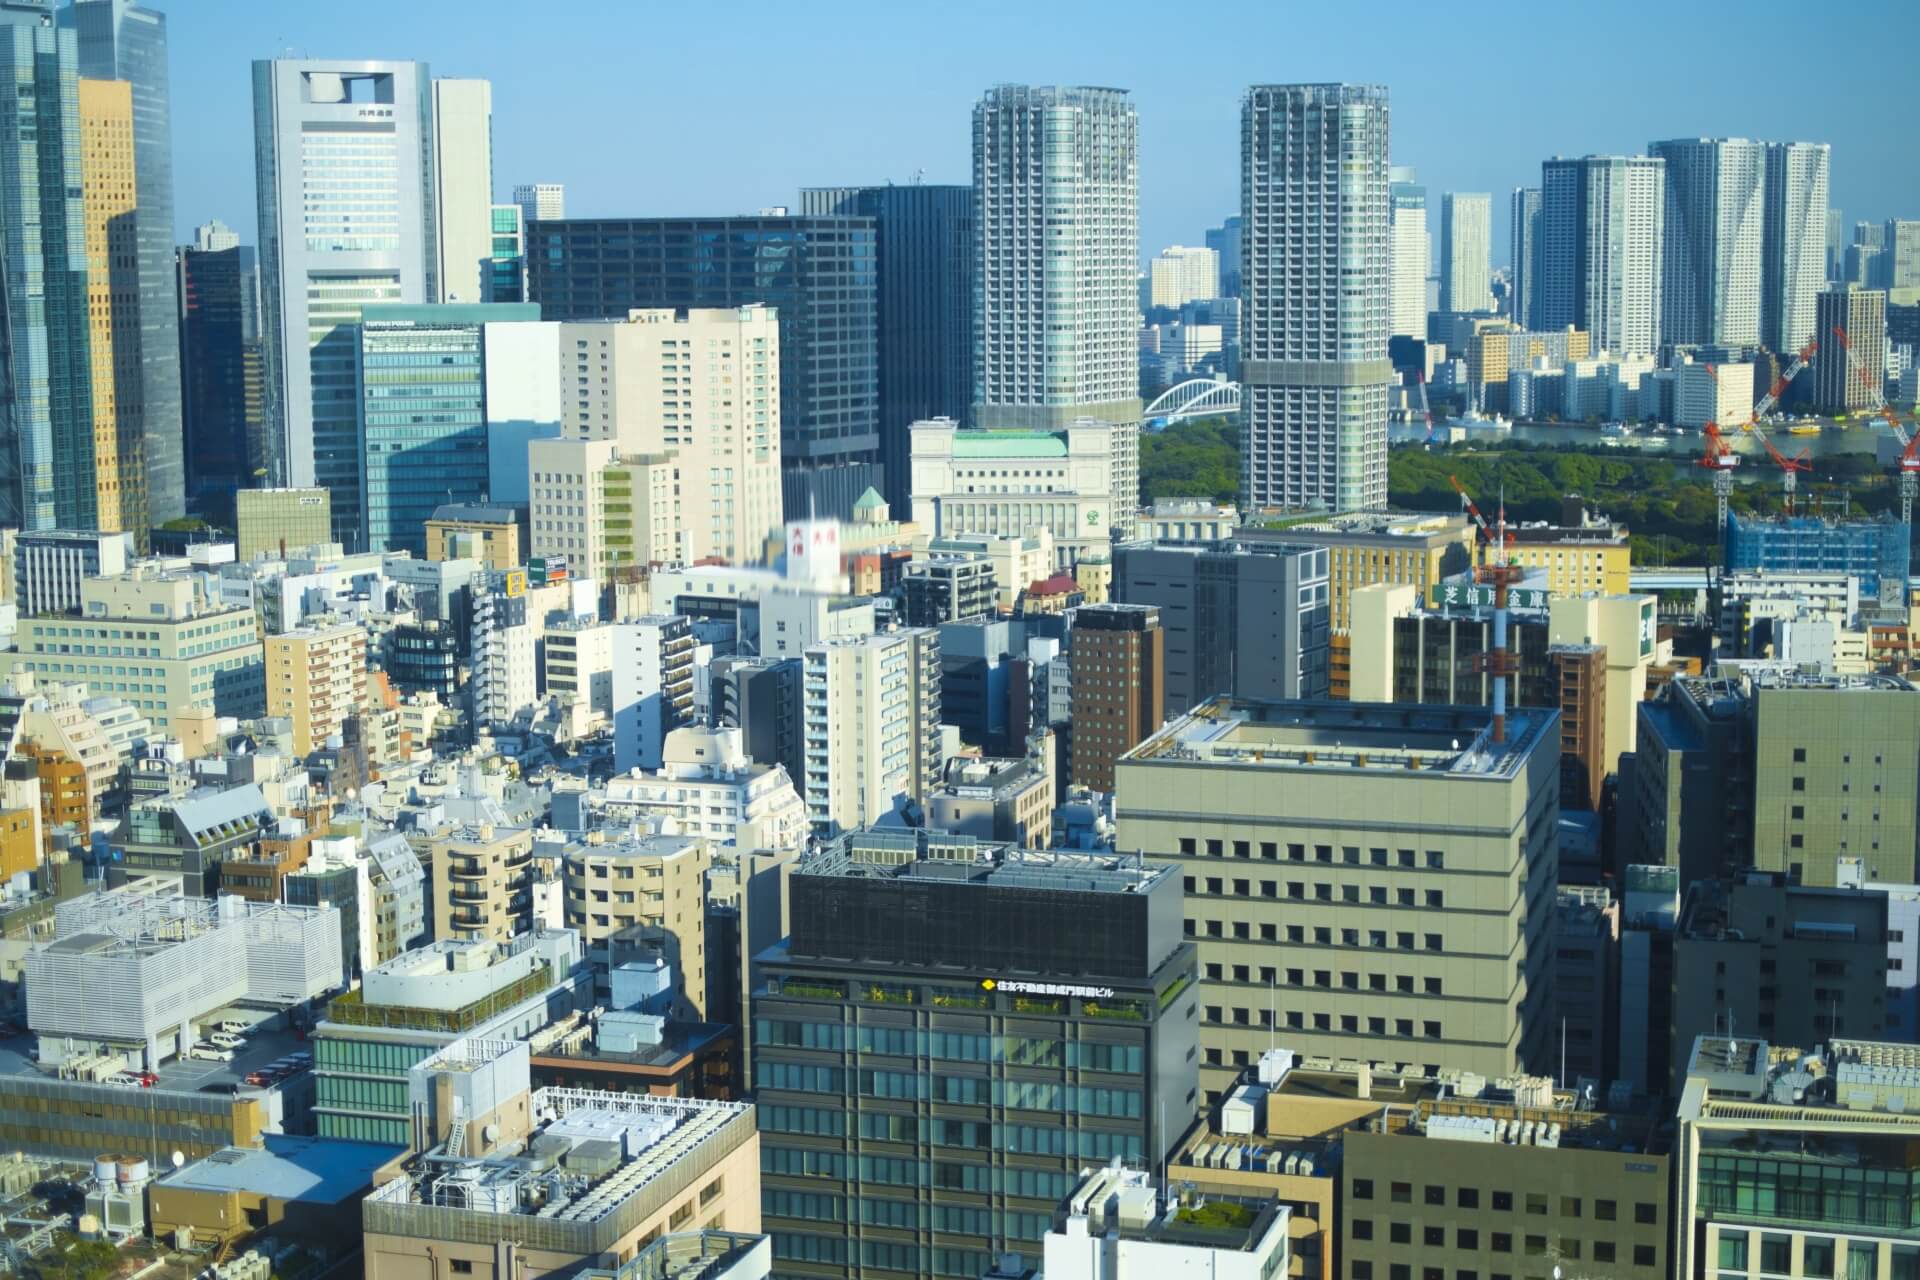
(826, 133)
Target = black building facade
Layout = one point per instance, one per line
(951, 1032)
(821, 274)
(218, 345)
(925, 241)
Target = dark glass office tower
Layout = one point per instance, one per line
(121, 40)
(821, 274)
(951, 1032)
(46, 432)
(219, 341)
(925, 242)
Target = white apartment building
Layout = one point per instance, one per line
(1715, 211)
(1057, 236)
(578, 659)
(1602, 238)
(703, 386)
(1181, 274)
(1793, 247)
(870, 717)
(1466, 250)
(652, 687)
(1721, 394)
(711, 788)
(544, 200)
(1081, 483)
(602, 510)
(1412, 253)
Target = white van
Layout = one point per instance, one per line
(211, 1052)
(226, 1040)
(233, 1026)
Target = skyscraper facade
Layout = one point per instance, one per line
(1057, 249)
(546, 201)
(122, 40)
(343, 159)
(1225, 241)
(463, 187)
(506, 266)
(1602, 225)
(924, 251)
(1466, 251)
(819, 275)
(1313, 193)
(1715, 215)
(1412, 255)
(46, 464)
(219, 347)
(1524, 247)
(1794, 243)
(1180, 274)
(1843, 383)
(113, 306)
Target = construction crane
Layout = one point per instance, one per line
(1498, 661)
(1720, 459)
(1790, 468)
(1780, 384)
(1426, 406)
(1908, 465)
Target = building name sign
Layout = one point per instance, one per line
(1047, 989)
(1480, 595)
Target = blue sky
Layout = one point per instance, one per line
(653, 107)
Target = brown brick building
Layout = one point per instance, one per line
(1119, 658)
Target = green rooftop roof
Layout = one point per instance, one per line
(1008, 444)
(869, 500)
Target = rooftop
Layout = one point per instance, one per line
(265, 1044)
(315, 1170)
(597, 1166)
(978, 442)
(1390, 737)
(956, 859)
(475, 513)
(1125, 1201)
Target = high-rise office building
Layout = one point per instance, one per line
(1390, 870)
(1412, 255)
(463, 188)
(123, 40)
(1243, 618)
(423, 413)
(1225, 240)
(1602, 221)
(1180, 274)
(343, 157)
(506, 265)
(1843, 382)
(1836, 242)
(113, 306)
(1466, 251)
(214, 235)
(1313, 192)
(1794, 245)
(219, 354)
(1900, 261)
(924, 252)
(1057, 238)
(46, 466)
(991, 1019)
(541, 201)
(818, 274)
(1524, 250)
(702, 386)
(1715, 210)
(1118, 657)
(317, 678)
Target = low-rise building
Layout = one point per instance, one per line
(1080, 483)
(1118, 1225)
(473, 531)
(1007, 801)
(1198, 520)
(1364, 548)
(708, 786)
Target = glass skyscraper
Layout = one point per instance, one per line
(925, 255)
(820, 275)
(507, 261)
(47, 458)
(423, 414)
(121, 40)
(1314, 196)
(218, 343)
(343, 156)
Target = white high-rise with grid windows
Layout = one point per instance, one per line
(1793, 252)
(343, 163)
(546, 201)
(1316, 283)
(1466, 249)
(1057, 253)
(1181, 274)
(1602, 227)
(1715, 215)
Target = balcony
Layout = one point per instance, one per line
(465, 871)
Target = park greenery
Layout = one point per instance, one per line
(1664, 500)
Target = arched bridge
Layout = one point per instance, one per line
(1194, 398)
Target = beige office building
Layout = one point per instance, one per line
(271, 522)
(1080, 482)
(870, 713)
(317, 677)
(153, 640)
(113, 306)
(469, 531)
(1365, 548)
(702, 385)
(482, 881)
(1366, 881)
(608, 514)
(615, 882)
(1626, 626)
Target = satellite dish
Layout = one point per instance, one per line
(179, 1158)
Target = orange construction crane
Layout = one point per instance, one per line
(1498, 661)
(1908, 465)
(1790, 468)
(1720, 459)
